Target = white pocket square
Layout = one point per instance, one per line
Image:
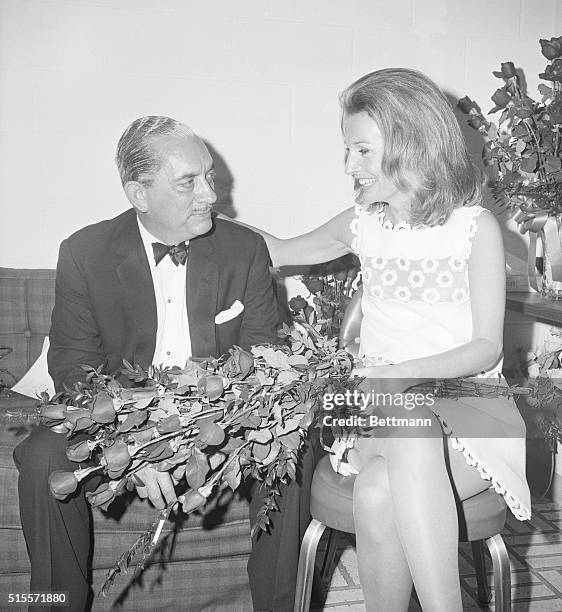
(229, 313)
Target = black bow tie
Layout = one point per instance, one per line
(177, 253)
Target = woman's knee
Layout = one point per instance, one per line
(371, 489)
(373, 512)
(415, 456)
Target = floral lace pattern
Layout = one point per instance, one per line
(428, 280)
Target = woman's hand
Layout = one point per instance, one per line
(381, 387)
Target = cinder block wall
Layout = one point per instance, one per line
(258, 79)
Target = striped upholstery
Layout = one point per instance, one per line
(207, 568)
(26, 298)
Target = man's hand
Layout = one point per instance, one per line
(158, 487)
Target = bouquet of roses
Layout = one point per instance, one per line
(211, 424)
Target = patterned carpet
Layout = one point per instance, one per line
(535, 551)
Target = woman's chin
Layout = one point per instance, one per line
(362, 198)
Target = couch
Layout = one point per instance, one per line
(203, 566)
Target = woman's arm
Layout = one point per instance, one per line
(486, 276)
(330, 240)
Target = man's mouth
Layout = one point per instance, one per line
(202, 211)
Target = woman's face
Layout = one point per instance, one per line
(364, 149)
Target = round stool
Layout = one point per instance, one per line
(481, 519)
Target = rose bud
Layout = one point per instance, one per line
(466, 105)
(103, 410)
(72, 415)
(211, 386)
(551, 49)
(62, 484)
(192, 500)
(314, 285)
(78, 419)
(245, 362)
(508, 70)
(239, 364)
(169, 424)
(132, 420)
(117, 456)
(297, 304)
(101, 497)
(553, 72)
(476, 122)
(78, 452)
(501, 98)
(195, 471)
(52, 414)
(210, 434)
(143, 435)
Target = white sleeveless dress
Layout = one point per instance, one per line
(416, 303)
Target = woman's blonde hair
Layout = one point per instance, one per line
(425, 153)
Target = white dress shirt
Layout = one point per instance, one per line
(173, 342)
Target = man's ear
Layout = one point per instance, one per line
(136, 194)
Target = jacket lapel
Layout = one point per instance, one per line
(134, 275)
(201, 293)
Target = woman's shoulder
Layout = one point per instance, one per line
(469, 218)
(471, 224)
(468, 212)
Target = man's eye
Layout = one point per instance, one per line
(364, 151)
(188, 184)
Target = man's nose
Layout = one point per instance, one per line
(205, 193)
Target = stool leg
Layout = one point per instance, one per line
(329, 558)
(502, 573)
(484, 591)
(305, 571)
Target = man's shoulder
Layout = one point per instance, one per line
(243, 237)
(106, 229)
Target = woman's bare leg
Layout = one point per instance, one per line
(416, 496)
(387, 585)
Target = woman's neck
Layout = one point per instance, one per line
(397, 212)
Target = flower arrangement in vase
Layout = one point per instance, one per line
(524, 152)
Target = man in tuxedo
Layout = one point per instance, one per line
(146, 286)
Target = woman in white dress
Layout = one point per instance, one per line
(433, 307)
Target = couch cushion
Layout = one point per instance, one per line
(27, 298)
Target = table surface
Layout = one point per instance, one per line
(536, 306)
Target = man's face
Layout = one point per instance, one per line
(180, 199)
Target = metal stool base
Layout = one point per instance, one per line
(496, 546)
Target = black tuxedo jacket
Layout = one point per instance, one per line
(105, 307)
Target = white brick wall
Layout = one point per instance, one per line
(258, 78)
